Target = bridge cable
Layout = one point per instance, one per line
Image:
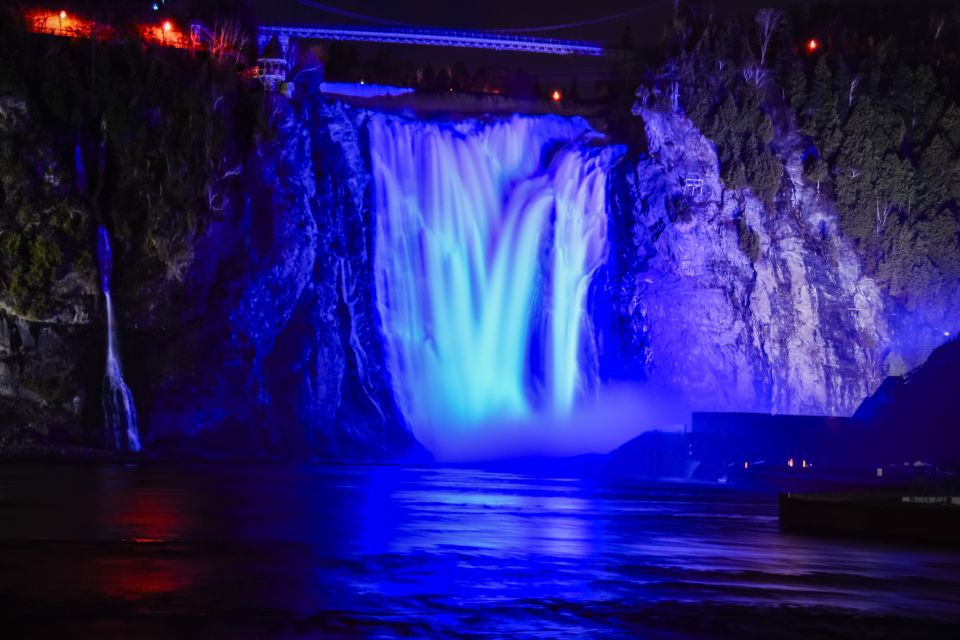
(350, 14)
(554, 27)
(581, 23)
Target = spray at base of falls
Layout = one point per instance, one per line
(488, 235)
(119, 412)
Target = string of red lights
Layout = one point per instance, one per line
(61, 23)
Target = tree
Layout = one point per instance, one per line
(927, 104)
(816, 170)
(935, 175)
(228, 42)
(950, 125)
(768, 20)
(851, 92)
(755, 75)
(627, 41)
(823, 121)
(459, 75)
(443, 81)
(796, 89)
(872, 181)
(427, 77)
(892, 189)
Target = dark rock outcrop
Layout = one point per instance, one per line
(915, 417)
(279, 348)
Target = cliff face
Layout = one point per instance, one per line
(269, 337)
(265, 339)
(736, 303)
(278, 347)
(48, 296)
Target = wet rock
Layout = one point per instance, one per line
(738, 304)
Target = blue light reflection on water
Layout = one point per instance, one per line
(389, 551)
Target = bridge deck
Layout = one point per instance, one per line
(434, 37)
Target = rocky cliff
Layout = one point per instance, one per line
(267, 337)
(736, 303)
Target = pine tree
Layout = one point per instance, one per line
(796, 88)
(950, 125)
(934, 175)
(823, 123)
(927, 105)
(872, 181)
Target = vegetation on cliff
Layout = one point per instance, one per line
(873, 95)
(160, 135)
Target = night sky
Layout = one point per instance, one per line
(647, 22)
(646, 18)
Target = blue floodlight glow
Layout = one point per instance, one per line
(488, 235)
(363, 89)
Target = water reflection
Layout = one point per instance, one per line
(397, 552)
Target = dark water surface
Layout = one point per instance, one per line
(259, 551)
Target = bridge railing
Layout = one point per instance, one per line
(439, 37)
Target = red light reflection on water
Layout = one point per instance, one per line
(146, 521)
(136, 576)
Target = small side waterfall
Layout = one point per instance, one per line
(119, 412)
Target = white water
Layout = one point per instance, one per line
(119, 412)
(487, 238)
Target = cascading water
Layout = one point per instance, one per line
(487, 237)
(119, 412)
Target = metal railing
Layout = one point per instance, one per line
(435, 37)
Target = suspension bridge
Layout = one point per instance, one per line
(430, 37)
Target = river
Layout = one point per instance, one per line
(338, 551)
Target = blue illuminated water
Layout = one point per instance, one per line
(119, 411)
(263, 551)
(488, 234)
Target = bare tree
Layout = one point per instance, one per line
(292, 56)
(937, 23)
(754, 74)
(884, 209)
(853, 88)
(228, 42)
(768, 20)
(671, 74)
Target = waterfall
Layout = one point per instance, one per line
(487, 237)
(120, 415)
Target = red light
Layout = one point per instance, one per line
(167, 26)
(812, 45)
(556, 95)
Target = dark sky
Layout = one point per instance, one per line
(647, 22)
(648, 19)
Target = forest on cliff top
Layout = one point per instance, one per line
(870, 88)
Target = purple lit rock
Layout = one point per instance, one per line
(799, 330)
